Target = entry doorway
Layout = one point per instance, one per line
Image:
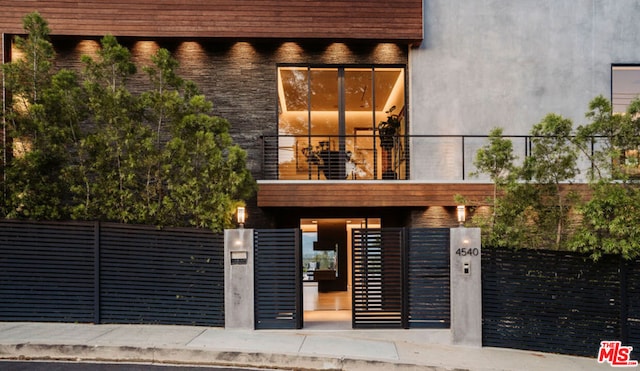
(327, 270)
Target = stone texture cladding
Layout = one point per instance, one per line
(434, 217)
(239, 77)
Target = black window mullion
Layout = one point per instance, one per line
(342, 123)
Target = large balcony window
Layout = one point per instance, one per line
(329, 123)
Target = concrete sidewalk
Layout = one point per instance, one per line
(284, 349)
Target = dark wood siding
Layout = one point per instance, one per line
(281, 19)
(366, 194)
(376, 194)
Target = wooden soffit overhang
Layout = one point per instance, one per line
(368, 193)
(418, 194)
(335, 20)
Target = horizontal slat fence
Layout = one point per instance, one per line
(110, 273)
(172, 276)
(558, 302)
(46, 272)
(632, 313)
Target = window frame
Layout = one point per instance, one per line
(342, 69)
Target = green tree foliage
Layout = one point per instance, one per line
(553, 161)
(28, 76)
(201, 147)
(160, 157)
(529, 208)
(518, 219)
(199, 175)
(115, 153)
(610, 222)
(535, 212)
(164, 106)
(42, 122)
(93, 150)
(496, 159)
(611, 216)
(603, 139)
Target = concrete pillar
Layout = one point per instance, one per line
(466, 287)
(238, 279)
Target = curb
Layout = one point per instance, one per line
(198, 357)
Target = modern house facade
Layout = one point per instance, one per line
(306, 86)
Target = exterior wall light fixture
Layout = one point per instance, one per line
(461, 215)
(240, 216)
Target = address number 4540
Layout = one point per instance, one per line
(468, 252)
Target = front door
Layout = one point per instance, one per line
(327, 270)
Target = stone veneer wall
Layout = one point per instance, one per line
(238, 77)
(434, 217)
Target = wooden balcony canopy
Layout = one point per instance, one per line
(379, 193)
(367, 194)
(376, 20)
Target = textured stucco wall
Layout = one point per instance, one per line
(508, 63)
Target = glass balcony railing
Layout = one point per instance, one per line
(443, 158)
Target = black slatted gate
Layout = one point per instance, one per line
(401, 278)
(377, 278)
(278, 279)
(428, 278)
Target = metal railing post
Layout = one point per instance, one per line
(463, 159)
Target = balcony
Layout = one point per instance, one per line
(358, 171)
(429, 158)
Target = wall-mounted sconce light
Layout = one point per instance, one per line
(461, 215)
(240, 216)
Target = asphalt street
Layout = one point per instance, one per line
(92, 366)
